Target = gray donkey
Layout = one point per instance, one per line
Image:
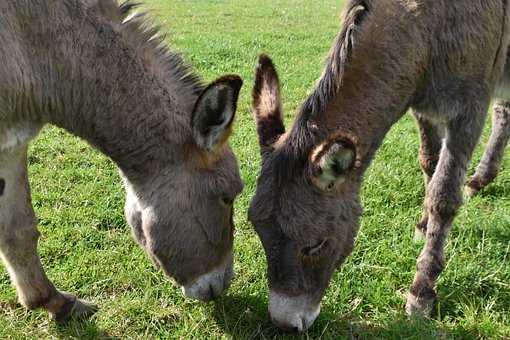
(444, 59)
(105, 76)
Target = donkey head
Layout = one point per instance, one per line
(305, 209)
(182, 215)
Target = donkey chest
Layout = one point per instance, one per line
(14, 135)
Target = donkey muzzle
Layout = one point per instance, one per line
(212, 284)
(293, 314)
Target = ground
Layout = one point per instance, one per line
(87, 248)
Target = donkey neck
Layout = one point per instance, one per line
(364, 121)
(138, 124)
(365, 103)
(132, 103)
(367, 85)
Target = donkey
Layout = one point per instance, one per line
(444, 59)
(104, 75)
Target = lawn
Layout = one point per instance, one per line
(87, 248)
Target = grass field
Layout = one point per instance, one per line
(87, 248)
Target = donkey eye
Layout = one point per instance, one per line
(315, 249)
(226, 200)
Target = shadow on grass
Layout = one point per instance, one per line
(246, 317)
(73, 329)
(495, 190)
(81, 329)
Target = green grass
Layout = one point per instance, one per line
(87, 248)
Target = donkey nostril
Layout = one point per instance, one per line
(211, 292)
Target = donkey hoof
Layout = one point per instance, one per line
(419, 307)
(420, 231)
(75, 308)
(473, 186)
(470, 192)
(419, 235)
(83, 309)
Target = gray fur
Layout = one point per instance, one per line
(442, 58)
(490, 163)
(84, 66)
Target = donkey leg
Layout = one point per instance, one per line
(431, 140)
(490, 164)
(18, 243)
(444, 197)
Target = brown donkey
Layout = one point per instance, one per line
(89, 68)
(442, 58)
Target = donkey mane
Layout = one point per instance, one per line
(291, 158)
(338, 58)
(149, 41)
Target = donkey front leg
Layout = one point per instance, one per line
(490, 164)
(444, 197)
(18, 243)
(431, 140)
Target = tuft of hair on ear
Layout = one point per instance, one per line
(214, 112)
(331, 161)
(267, 105)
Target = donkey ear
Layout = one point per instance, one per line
(267, 105)
(214, 112)
(330, 163)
